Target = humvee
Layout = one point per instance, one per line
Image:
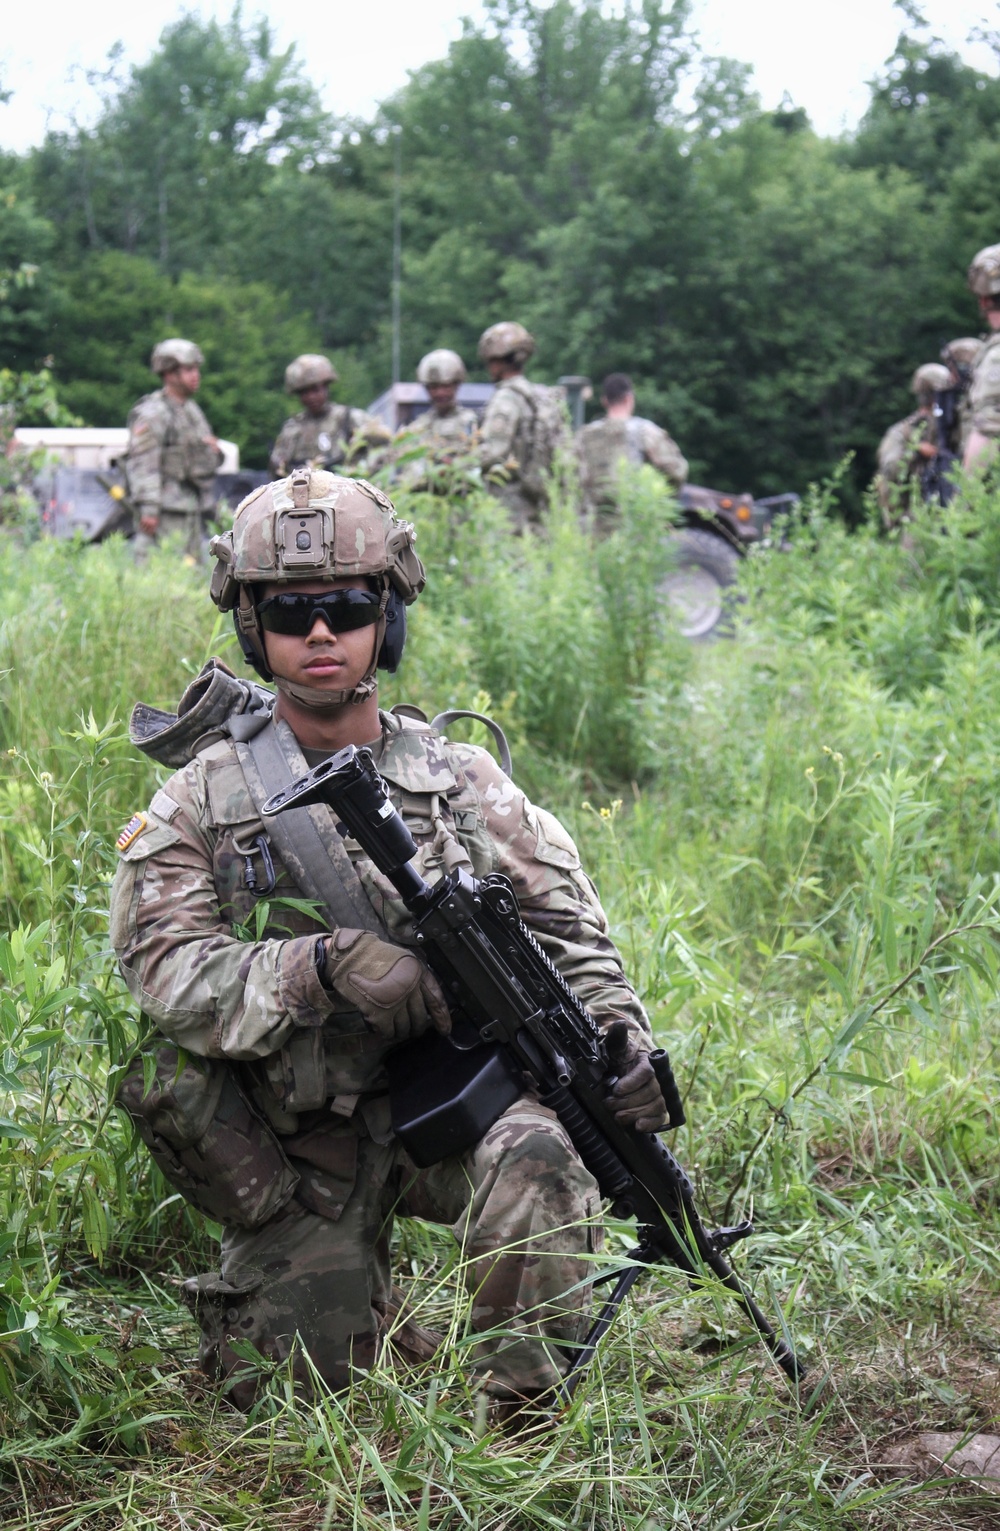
(80, 488)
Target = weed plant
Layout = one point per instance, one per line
(795, 834)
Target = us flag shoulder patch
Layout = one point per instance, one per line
(133, 829)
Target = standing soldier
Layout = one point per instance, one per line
(446, 429)
(172, 455)
(323, 434)
(909, 447)
(984, 389)
(960, 357)
(523, 427)
(428, 446)
(622, 436)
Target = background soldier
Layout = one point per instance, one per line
(960, 357)
(172, 456)
(523, 427)
(324, 434)
(447, 429)
(317, 569)
(622, 436)
(909, 446)
(983, 426)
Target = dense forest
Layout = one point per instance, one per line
(597, 176)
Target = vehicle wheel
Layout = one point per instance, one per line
(695, 589)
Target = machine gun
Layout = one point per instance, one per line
(516, 1020)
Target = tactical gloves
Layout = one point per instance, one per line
(636, 1098)
(397, 995)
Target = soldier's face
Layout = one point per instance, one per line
(188, 380)
(989, 307)
(443, 396)
(322, 659)
(315, 398)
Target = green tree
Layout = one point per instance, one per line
(117, 306)
(927, 111)
(27, 281)
(184, 145)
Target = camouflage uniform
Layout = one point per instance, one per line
(427, 447)
(170, 464)
(984, 391)
(961, 354)
(898, 463)
(319, 1264)
(604, 444)
(444, 435)
(524, 425)
(333, 437)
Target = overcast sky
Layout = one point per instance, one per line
(820, 54)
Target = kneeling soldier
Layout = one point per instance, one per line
(278, 1122)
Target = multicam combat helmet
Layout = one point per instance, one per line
(930, 379)
(169, 354)
(963, 353)
(506, 339)
(314, 525)
(306, 371)
(984, 273)
(441, 368)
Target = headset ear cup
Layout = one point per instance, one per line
(394, 641)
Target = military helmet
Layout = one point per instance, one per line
(441, 367)
(168, 354)
(984, 273)
(306, 371)
(929, 379)
(315, 525)
(963, 352)
(506, 339)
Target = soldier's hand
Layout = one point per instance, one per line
(635, 1098)
(149, 524)
(396, 993)
(927, 449)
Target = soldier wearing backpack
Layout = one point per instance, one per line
(524, 424)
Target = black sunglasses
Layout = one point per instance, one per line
(341, 610)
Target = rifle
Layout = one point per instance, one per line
(936, 483)
(516, 1019)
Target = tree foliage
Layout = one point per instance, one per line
(593, 174)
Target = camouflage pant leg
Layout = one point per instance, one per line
(525, 512)
(525, 1212)
(306, 1275)
(186, 525)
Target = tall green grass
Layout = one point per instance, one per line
(795, 833)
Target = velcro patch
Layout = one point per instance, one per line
(133, 829)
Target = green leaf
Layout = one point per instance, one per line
(865, 1079)
(856, 1023)
(96, 1232)
(836, 978)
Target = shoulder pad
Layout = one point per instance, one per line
(417, 761)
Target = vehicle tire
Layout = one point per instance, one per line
(695, 590)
